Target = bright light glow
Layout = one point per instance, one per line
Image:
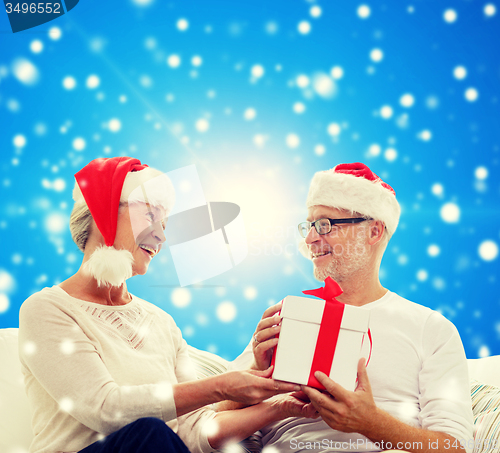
(439, 283)
(374, 149)
(403, 120)
(334, 129)
(459, 72)
(25, 71)
(299, 107)
(211, 427)
(182, 24)
(174, 61)
(315, 11)
(19, 141)
(364, 11)
(390, 154)
(259, 140)
(433, 250)
(226, 311)
(386, 112)
(69, 83)
(481, 173)
(271, 28)
(7, 281)
(450, 16)
(250, 292)
(68, 347)
(202, 125)
(422, 275)
(425, 135)
(181, 297)
(376, 55)
(36, 46)
(302, 81)
(407, 100)
(142, 2)
(490, 10)
(93, 81)
(79, 144)
(450, 213)
(250, 114)
(337, 72)
(319, 150)
(257, 71)
(488, 250)
(150, 43)
(114, 125)
(196, 61)
(66, 404)
(323, 85)
(55, 33)
(292, 140)
(59, 185)
(270, 449)
(471, 94)
(484, 351)
(304, 27)
(437, 189)
(432, 102)
(56, 223)
(29, 348)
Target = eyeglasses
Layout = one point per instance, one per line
(324, 226)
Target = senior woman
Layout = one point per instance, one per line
(106, 371)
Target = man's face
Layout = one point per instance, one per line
(342, 253)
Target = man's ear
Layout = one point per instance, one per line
(376, 232)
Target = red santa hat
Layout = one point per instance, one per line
(102, 185)
(354, 187)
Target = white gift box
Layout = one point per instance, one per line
(298, 337)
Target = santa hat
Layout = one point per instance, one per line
(355, 187)
(102, 185)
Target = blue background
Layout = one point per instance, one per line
(441, 148)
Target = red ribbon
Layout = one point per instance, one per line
(329, 329)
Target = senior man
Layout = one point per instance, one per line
(414, 394)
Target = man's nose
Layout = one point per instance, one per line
(312, 236)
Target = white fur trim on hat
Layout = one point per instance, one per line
(146, 186)
(149, 186)
(353, 193)
(109, 266)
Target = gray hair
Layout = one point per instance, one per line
(80, 224)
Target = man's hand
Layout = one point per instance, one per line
(264, 337)
(343, 410)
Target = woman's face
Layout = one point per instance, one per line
(140, 230)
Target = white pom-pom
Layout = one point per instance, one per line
(109, 266)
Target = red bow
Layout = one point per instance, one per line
(328, 292)
(329, 329)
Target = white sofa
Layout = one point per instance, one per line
(15, 414)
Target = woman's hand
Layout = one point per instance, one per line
(252, 387)
(294, 405)
(264, 339)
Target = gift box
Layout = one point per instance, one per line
(320, 335)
